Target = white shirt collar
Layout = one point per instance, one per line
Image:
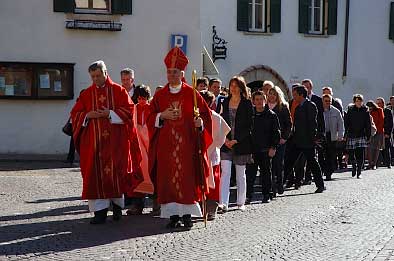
(175, 89)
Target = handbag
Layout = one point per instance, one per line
(68, 128)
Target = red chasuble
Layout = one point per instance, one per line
(104, 148)
(173, 160)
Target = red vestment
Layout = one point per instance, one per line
(173, 160)
(104, 148)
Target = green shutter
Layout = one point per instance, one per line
(275, 16)
(64, 6)
(303, 16)
(121, 6)
(332, 17)
(391, 33)
(242, 15)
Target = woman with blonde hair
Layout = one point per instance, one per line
(277, 103)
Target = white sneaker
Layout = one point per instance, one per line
(242, 208)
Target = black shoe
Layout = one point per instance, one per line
(281, 190)
(248, 201)
(320, 190)
(175, 222)
(99, 217)
(187, 221)
(266, 199)
(307, 182)
(389, 166)
(297, 186)
(117, 212)
(289, 184)
(328, 177)
(354, 171)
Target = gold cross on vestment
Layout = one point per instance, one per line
(107, 170)
(102, 98)
(105, 134)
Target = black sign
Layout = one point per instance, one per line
(219, 49)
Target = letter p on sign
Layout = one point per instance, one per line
(178, 40)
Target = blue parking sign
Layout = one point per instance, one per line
(179, 40)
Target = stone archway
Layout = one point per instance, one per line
(260, 73)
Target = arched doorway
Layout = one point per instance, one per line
(256, 75)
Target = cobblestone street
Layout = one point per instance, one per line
(43, 218)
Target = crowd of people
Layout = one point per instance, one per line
(185, 145)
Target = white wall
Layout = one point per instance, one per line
(294, 56)
(31, 32)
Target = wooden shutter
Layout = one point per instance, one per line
(303, 16)
(332, 17)
(64, 6)
(391, 32)
(275, 16)
(243, 15)
(121, 6)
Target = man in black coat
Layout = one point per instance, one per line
(305, 136)
(265, 139)
(388, 129)
(127, 79)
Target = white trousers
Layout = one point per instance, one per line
(225, 183)
(100, 204)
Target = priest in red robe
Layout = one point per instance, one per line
(102, 121)
(174, 131)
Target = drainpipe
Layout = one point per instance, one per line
(346, 43)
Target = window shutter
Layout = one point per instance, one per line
(242, 15)
(303, 16)
(391, 33)
(64, 6)
(332, 17)
(121, 6)
(275, 16)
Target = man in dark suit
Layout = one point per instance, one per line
(127, 78)
(214, 86)
(305, 136)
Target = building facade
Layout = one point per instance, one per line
(290, 40)
(35, 31)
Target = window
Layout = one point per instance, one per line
(36, 81)
(315, 23)
(93, 6)
(259, 16)
(318, 17)
(256, 13)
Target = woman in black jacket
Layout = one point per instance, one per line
(357, 133)
(237, 150)
(278, 104)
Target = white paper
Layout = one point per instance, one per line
(2, 82)
(9, 90)
(57, 86)
(44, 81)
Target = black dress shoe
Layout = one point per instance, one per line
(187, 221)
(320, 190)
(266, 199)
(280, 190)
(354, 171)
(117, 212)
(99, 217)
(175, 222)
(297, 186)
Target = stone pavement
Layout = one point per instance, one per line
(43, 218)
